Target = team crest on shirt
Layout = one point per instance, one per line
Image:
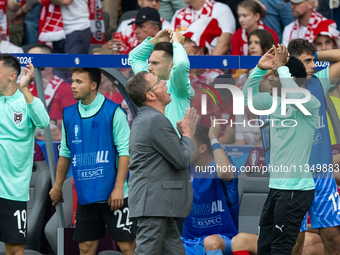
(17, 117)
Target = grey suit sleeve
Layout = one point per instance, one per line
(166, 141)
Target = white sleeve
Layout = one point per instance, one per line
(124, 27)
(225, 17)
(166, 24)
(285, 35)
(119, 29)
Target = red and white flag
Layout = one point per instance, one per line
(328, 28)
(51, 23)
(97, 22)
(203, 31)
(51, 27)
(3, 20)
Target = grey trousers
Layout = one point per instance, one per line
(158, 236)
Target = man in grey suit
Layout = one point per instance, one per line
(159, 185)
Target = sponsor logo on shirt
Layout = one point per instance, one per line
(90, 159)
(207, 222)
(90, 174)
(207, 209)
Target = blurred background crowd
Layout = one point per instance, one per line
(224, 27)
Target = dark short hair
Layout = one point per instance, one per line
(156, 23)
(297, 70)
(202, 136)
(297, 47)
(44, 48)
(136, 88)
(266, 39)
(10, 61)
(166, 47)
(93, 73)
(254, 7)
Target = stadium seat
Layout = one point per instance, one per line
(110, 253)
(26, 47)
(127, 15)
(253, 191)
(39, 187)
(106, 17)
(94, 46)
(52, 225)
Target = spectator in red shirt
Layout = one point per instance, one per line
(250, 14)
(127, 30)
(58, 94)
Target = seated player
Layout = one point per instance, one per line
(212, 226)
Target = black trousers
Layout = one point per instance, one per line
(281, 219)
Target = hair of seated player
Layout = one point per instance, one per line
(202, 136)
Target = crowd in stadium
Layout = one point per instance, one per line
(146, 179)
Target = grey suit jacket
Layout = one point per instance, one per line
(159, 184)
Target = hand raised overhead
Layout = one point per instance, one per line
(162, 36)
(26, 78)
(267, 60)
(281, 55)
(177, 37)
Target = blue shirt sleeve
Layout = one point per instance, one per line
(232, 189)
